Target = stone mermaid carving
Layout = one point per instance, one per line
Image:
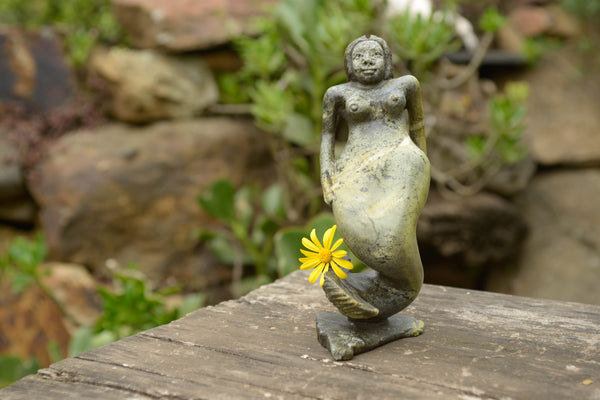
(378, 185)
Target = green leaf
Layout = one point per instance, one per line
(299, 130)
(244, 209)
(475, 146)
(13, 368)
(272, 201)
(21, 281)
(191, 302)
(106, 337)
(254, 282)
(287, 249)
(224, 250)
(81, 341)
(321, 223)
(217, 200)
(54, 351)
(491, 20)
(27, 254)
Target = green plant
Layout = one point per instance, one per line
(491, 20)
(21, 263)
(20, 269)
(128, 307)
(421, 41)
(13, 368)
(286, 71)
(83, 23)
(582, 8)
(251, 220)
(255, 235)
(507, 122)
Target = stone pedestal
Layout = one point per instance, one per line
(344, 338)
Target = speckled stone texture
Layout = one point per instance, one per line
(344, 339)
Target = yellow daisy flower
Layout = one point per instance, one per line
(321, 257)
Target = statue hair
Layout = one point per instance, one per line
(387, 57)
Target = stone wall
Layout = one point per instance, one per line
(125, 191)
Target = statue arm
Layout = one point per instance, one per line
(328, 144)
(415, 112)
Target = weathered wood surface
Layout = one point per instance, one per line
(476, 345)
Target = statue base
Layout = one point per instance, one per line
(344, 338)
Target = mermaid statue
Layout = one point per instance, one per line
(377, 188)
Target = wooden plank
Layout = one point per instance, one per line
(476, 345)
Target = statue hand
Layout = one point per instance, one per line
(327, 185)
(328, 196)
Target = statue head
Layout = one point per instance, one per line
(368, 60)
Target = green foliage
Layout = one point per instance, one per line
(251, 218)
(128, 307)
(20, 268)
(20, 264)
(297, 57)
(491, 20)
(255, 235)
(506, 118)
(13, 368)
(83, 23)
(534, 48)
(582, 8)
(421, 41)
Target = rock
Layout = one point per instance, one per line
(184, 25)
(21, 212)
(129, 194)
(550, 19)
(563, 24)
(34, 72)
(512, 179)
(146, 85)
(530, 21)
(561, 257)
(562, 115)
(75, 290)
(29, 322)
(12, 182)
(510, 40)
(461, 239)
(16, 206)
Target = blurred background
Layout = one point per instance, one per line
(157, 156)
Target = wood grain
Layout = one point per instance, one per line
(476, 345)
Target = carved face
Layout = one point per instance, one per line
(368, 62)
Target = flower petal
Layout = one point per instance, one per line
(337, 244)
(316, 272)
(322, 281)
(328, 237)
(315, 239)
(309, 253)
(343, 263)
(338, 271)
(309, 263)
(310, 245)
(339, 253)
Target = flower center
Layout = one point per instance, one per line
(325, 256)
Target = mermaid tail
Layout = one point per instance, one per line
(377, 205)
(367, 296)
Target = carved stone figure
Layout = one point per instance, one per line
(377, 188)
